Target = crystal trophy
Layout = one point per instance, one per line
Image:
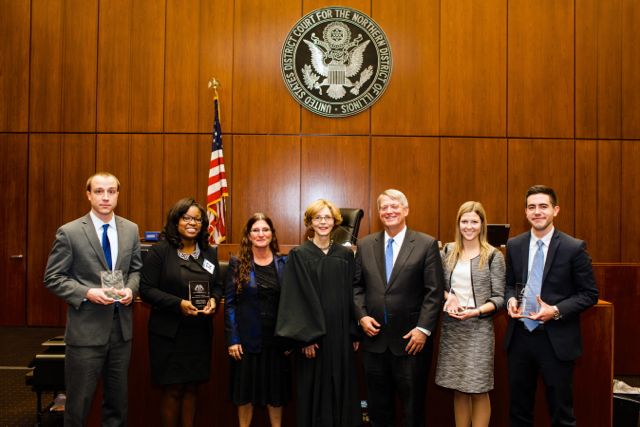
(112, 281)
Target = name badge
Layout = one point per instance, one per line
(208, 265)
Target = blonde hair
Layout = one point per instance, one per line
(453, 256)
(317, 206)
(103, 174)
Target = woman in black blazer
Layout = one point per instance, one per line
(179, 333)
(259, 368)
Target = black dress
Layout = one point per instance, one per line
(316, 306)
(262, 377)
(179, 346)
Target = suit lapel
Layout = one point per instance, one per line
(119, 225)
(378, 250)
(553, 249)
(525, 257)
(92, 237)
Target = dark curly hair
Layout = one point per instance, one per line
(170, 230)
(246, 254)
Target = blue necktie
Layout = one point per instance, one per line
(535, 286)
(388, 258)
(106, 247)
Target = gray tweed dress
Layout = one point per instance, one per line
(465, 358)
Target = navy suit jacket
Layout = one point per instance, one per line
(242, 315)
(567, 283)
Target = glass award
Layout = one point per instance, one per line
(199, 293)
(112, 281)
(527, 300)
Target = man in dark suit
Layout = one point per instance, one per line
(557, 270)
(99, 321)
(398, 298)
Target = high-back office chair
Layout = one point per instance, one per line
(348, 230)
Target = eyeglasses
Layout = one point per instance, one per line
(264, 230)
(189, 218)
(319, 218)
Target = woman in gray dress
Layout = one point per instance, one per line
(474, 285)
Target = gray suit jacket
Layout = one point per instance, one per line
(74, 266)
(413, 296)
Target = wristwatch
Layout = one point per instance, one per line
(556, 313)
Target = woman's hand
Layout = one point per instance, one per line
(452, 305)
(466, 313)
(235, 351)
(187, 308)
(310, 351)
(210, 308)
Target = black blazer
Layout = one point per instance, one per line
(413, 296)
(567, 283)
(160, 286)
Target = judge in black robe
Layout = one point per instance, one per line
(316, 315)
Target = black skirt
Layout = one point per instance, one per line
(261, 378)
(183, 359)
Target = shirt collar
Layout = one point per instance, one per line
(398, 238)
(546, 239)
(98, 223)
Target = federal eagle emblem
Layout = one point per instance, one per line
(337, 59)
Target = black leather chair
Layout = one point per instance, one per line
(348, 230)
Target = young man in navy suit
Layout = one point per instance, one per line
(545, 339)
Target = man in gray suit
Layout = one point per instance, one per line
(398, 298)
(99, 322)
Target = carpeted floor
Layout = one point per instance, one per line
(17, 401)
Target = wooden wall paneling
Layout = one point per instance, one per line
(59, 166)
(144, 187)
(410, 106)
(266, 178)
(630, 69)
(114, 66)
(13, 228)
(63, 66)
(620, 285)
(549, 162)
(630, 251)
(335, 168)
(598, 198)
(216, 60)
(15, 26)
(180, 169)
(316, 124)
(541, 69)
(472, 169)
(261, 102)
(598, 79)
(130, 66)
(411, 165)
(181, 66)
(45, 83)
(473, 66)
(79, 65)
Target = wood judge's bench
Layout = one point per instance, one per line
(592, 379)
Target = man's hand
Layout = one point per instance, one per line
(235, 351)
(417, 340)
(370, 326)
(545, 313)
(126, 296)
(97, 296)
(187, 308)
(310, 351)
(512, 308)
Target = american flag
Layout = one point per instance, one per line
(217, 191)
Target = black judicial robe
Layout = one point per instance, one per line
(316, 306)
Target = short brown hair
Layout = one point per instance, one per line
(105, 174)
